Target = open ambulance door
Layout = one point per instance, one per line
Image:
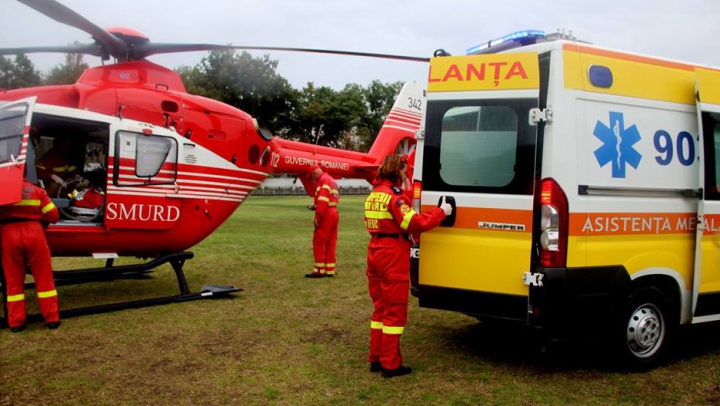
(706, 281)
(479, 152)
(14, 136)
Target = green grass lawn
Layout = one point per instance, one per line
(288, 340)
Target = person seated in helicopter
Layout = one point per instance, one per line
(95, 156)
(55, 168)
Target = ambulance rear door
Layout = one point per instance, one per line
(14, 135)
(706, 281)
(480, 152)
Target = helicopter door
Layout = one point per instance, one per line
(144, 168)
(14, 135)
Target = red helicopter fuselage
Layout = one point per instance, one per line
(171, 166)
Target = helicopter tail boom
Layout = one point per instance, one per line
(398, 135)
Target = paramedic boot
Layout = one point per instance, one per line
(399, 371)
(18, 329)
(315, 274)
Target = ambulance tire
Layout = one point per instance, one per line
(645, 328)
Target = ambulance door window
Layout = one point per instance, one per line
(478, 146)
(486, 147)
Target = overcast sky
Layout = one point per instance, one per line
(686, 30)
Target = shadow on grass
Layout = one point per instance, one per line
(515, 345)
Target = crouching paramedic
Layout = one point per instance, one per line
(390, 220)
(23, 243)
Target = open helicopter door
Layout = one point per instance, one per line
(706, 280)
(14, 135)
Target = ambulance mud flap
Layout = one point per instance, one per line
(110, 272)
(578, 301)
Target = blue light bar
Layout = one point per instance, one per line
(509, 41)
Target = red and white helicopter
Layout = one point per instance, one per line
(161, 169)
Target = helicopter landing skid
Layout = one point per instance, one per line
(110, 272)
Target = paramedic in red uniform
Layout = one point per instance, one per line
(390, 220)
(23, 244)
(54, 167)
(326, 221)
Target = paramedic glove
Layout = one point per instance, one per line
(445, 206)
(58, 180)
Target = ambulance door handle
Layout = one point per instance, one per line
(449, 220)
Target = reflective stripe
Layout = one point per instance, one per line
(16, 298)
(47, 294)
(27, 202)
(393, 330)
(330, 265)
(377, 325)
(324, 199)
(66, 168)
(406, 220)
(48, 207)
(319, 265)
(333, 204)
(378, 215)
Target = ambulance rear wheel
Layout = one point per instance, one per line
(645, 327)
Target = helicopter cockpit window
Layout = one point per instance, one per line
(12, 123)
(145, 159)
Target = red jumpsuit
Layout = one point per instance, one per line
(54, 162)
(390, 219)
(23, 243)
(326, 229)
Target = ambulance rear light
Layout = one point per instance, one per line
(553, 224)
(549, 223)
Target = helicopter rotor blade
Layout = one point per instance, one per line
(153, 48)
(121, 49)
(90, 49)
(62, 14)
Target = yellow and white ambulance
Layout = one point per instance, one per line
(585, 185)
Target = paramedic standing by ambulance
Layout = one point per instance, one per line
(23, 243)
(390, 220)
(326, 221)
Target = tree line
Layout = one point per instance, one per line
(349, 118)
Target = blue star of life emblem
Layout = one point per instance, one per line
(617, 145)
